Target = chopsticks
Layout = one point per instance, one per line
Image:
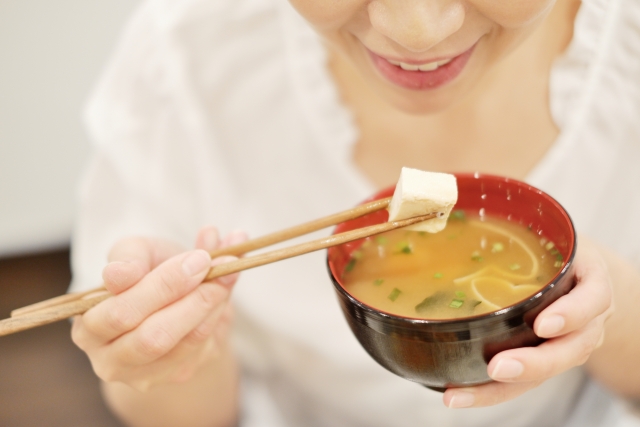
(69, 305)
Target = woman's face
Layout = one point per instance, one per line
(423, 55)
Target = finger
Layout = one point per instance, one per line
(118, 276)
(550, 358)
(166, 284)
(181, 363)
(208, 239)
(591, 297)
(234, 238)
(223, 327)
(162, 331)
(230, 279)
(172, 367)
(485, 395)
(206, 329)
(131, 258)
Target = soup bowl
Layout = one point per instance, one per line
(443, 353)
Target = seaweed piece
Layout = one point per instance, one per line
(439, 298)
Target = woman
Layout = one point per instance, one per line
(248, 113)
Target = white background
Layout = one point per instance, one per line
(51, 54)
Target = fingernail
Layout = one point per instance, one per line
(550, 325)
(507, 369)
(462, 399)
(196, 262)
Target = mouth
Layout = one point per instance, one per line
(427, 66)
(421, 75)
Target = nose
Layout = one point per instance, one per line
(416, 25)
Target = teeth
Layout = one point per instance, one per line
(409, 67)
(430, 66)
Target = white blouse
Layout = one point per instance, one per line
(223, 112)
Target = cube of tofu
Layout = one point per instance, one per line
(419, 193)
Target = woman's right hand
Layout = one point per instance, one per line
(163, 322)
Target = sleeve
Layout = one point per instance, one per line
(152, 169)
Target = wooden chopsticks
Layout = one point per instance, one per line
(69, 305)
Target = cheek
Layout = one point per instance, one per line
(328, 15)
(514, 14)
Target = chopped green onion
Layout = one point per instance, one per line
(559, 257)
(497, 247)
(350, 265)
(474, 303)
(405, 248)
(381, 240)
(558, 264)
(514, 267)
(437, 276)
(394, 294)
(422, 233)
(549, 246)
(460, 294)
(378, 282)
(356, 254)
(456, 303)
(458, 215)
(476, 256)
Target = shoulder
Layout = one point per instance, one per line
(598, 72)
(170, 49)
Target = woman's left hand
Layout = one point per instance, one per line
(574, 327)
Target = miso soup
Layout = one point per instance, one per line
(476, 265)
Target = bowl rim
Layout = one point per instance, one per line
(507, 311)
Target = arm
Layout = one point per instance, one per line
(160, 344)
(615, 363)
(575, 328)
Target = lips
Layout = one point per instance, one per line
(421, 76)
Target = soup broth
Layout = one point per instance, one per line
(476, 265)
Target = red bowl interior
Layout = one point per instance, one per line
(490, 195)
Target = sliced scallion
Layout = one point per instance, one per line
(458, 215)
(395, 293)
(405, 248)
(456, 303)
(475, 256)
(350, 265)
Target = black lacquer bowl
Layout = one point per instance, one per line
(455, 352)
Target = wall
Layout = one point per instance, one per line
(51, 53)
